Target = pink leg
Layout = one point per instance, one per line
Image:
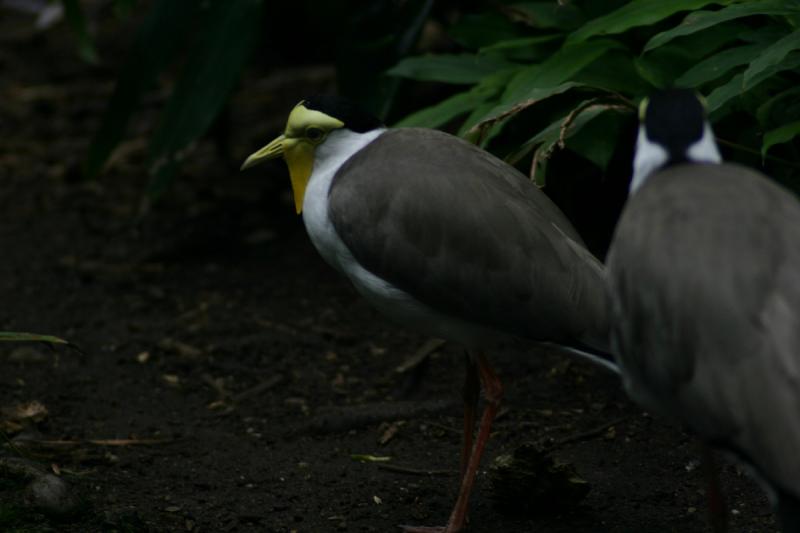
(471, 393)
(493, 392)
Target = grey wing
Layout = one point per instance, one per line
(707, 324)
(467, 235)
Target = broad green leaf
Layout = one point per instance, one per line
(724, 93)
(615, 72)
(504, 111)
(701, 20)
(160, 34)
(597, 139)
(229, 31)
(662, 66)
(445, 111)
(463, 68)
(75, 17)
(719, 64)
(559, 68)
(525, 50)
(772, 57)
(546, 15)
(787, 98)
(458, 104)
(634, 14)
(15, 336)
(561, 129)
(785, 133)
(476, 31)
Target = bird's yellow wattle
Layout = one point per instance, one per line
(299, 158)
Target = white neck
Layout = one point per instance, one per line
(651, 156)
(328, 157)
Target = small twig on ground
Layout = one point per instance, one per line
(345, 418)
(591, 433)
(414, 471)
(258, 389)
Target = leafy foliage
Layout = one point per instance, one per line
(585, 65)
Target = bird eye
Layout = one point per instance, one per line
(314, 134)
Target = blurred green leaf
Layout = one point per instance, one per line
(634, 14)
(735, 86)
(701, 20)
(161, 33)
(75, 17)
(229, 31)
(616, 72)
(445, 111)
(567, 126)
(546, 15)
(458, 104)
(765, 110)
(560, 67)
(462, 68)
(597, 139)
(14, 336)
(479, 30)
(504, 111)
(717, 65)
(785, 133)
(527, 49)
(772, 57)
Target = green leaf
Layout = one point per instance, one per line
(14, 336)
(559, 68)
(701, 20)
(717, 65)
(735, 86)
(634, 14)
(458, 104)
(785, 133)
(478, 30)
(772, 57)
(75, 17)
(614, 72)
(507, 110)
(157, 39)
(437, 115)
(567, 126)
(229, 31)
(787, 99)
(597, 139)
(462, 68)
(524, 50)
(545, 15)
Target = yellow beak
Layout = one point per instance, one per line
(270, 151)
(299, 156)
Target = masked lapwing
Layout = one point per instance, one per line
(704, 283)
(443, 237)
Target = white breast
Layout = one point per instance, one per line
(388, 299)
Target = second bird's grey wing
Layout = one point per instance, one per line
(707, 323)
(467, 235)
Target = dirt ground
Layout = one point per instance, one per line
(228, 375)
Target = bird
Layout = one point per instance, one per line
(704, 286)
(444, 238)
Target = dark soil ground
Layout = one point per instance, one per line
(237, 372)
